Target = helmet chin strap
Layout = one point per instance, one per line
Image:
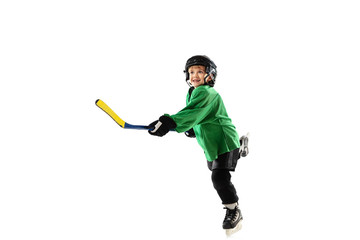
(205, 82)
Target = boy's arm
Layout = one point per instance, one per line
(195, 112)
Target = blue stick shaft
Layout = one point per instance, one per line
(139, 127)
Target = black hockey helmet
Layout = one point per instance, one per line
(210, 67)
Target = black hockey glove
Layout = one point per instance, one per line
(162, 126)
(190, 133)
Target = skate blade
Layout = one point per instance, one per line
(230, 232)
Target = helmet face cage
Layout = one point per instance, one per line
(210, 68)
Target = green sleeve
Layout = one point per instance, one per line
(196, 110)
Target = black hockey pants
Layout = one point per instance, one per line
(221, 176)
(221, 179)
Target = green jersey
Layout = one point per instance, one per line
(206, 114)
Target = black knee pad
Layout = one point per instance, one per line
(220, 178)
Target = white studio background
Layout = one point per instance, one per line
(287, 74)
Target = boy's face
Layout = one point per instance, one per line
(197, 75)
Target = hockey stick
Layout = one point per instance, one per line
(116, 118)
(102, 105)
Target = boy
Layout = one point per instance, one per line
(205, 118)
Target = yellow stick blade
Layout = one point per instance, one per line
(110, 112)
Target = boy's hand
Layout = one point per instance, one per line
(162, 126)
(190, 133)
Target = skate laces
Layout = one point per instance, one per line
(231, 214)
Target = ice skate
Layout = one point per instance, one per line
(244, 145)
(232, 221)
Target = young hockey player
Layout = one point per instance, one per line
(205, 118)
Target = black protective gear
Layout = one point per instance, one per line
(190, 133)
(162, 126)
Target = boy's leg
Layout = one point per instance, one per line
(222, 183)
(221, 179)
